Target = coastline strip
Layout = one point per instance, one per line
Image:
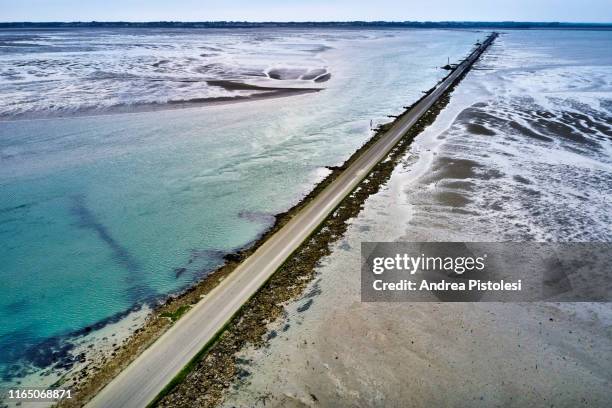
(149, 374)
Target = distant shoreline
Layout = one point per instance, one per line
(524, 25)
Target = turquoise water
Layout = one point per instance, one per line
(99, 214)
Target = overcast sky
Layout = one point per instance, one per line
(306, 10)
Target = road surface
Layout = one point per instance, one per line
(146, 376)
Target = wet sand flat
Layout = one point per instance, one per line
(478, 174)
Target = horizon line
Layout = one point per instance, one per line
(306, 21)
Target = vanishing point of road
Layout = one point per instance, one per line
(149, 373)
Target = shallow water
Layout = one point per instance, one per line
(522, 152)
(102, 213)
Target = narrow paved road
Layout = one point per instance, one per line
(142, 380)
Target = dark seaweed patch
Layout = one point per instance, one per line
(314, 291)
(257, 216)
(521, 179)
(452, 198)
(241, 373)
(477, 129)
(16, 306)
(477, 115)
(491, 174)
(138, 290)
(305, 306)
(53, 352)
(15, 208)
(457, 184)
(158, 63)
(450, 168)
(555, 128)
(522, 130)
(87, 219)
(179, 271)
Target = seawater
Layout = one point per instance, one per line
(100, 214)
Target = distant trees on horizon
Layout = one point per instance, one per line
(305, 24)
